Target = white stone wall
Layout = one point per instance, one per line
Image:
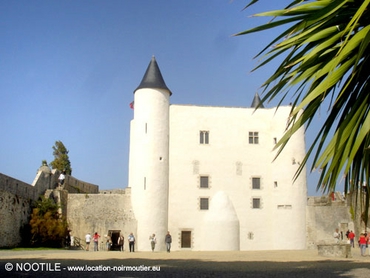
(231, 162)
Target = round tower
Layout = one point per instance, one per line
(148, 163)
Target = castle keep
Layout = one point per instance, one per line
(206, 173)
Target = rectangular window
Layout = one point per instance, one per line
(204, 137)
(204, 182)
(253, 137)
(256, 183)
(256, 203)
(204, 203)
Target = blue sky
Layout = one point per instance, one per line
(68, 70)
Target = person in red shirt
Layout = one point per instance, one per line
(362, 241)
(96, 241)
(351, 237)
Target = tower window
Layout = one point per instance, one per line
(204, 182)
(253, 137)
(256, 183)
(256, 203)
(204, 203)
(204, 137)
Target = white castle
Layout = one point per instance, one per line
(208, 174)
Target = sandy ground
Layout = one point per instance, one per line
(58, 263)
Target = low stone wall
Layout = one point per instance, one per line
(335, 250)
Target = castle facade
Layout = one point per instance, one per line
(209, 174)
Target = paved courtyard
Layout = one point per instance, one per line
(79, 263)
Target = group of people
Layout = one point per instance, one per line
(109, 243)
(152, 240)
(120, 242)
(167, 240)
(94, 238)
(363, 241)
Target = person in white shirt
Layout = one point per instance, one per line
(61, 178)
(87, 240)
(153, 241)
(336, 236)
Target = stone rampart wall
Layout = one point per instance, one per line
(16, 199)
(19, 188)
(90, 213)
(73, 185)
(323, 216)
(14, 214)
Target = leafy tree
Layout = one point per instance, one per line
(48, 228)
(325, 50)
(61, 158)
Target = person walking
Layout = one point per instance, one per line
(87, 240)
(62, 178)
(168, 241)
(153, 241)
(131, 242)
(362, 241)
(351, 237)
(120, 242)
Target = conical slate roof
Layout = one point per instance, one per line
(256, 101)
(153, 78)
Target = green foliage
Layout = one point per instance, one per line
(352, 212)
(48, 228)
(325, 46)
(61, 158)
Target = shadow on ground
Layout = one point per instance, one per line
(179, 268)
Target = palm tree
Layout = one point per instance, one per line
(325, 51)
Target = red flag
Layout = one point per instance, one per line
(132, 104)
